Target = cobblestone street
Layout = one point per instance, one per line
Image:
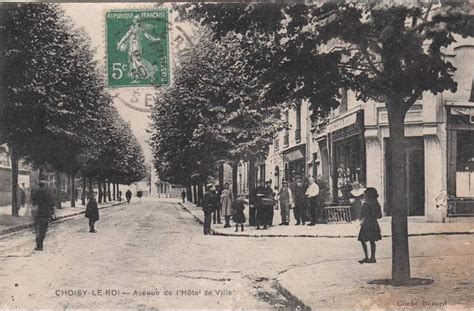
(153, 255)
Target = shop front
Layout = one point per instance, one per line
(295, 163)
(347, 154)
(460, 160)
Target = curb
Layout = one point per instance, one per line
(56, 220)
(199, 220)
(215, 232)
(294, 300)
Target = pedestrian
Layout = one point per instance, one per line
(128, 195)
(268, 205)
(216, 216)
(183, 196)
(312, 195)
(227, 198)
(258, 195)
(22, 191)
(208, 206)
(357, 194)
(43, 210)
(239, 216)
(299, 199)
(369, 227)
(92, 212)
(286, 203)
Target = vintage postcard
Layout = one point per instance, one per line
(308, 155)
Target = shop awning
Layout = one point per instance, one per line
(294, 155)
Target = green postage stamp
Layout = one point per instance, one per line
(137, 48)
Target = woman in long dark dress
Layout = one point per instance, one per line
(369, 228)
(92, 212)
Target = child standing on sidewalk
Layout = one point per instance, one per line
(239, 216)
(369, 228)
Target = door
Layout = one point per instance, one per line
(415, 182)
(414, 178)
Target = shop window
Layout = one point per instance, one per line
(465, 164)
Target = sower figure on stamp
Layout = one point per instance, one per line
(43, 210)
(208, 207)
(92, 212)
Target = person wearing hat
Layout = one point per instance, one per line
(369, 227)
(208, 206)
(259, 196)
(44, 202)
(268, 204)
(299, 199)
(357, 194)
(92, 212)
(312, 194)
(227, 199)
(286, 203)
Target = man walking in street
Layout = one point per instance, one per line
(209, 205)
(286, 203)
(44, 202)
(183, 196)
(312, 194)
(299, 198)
(128, 195)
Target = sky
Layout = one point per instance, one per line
(91, 17)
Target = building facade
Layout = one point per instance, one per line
(351, 146)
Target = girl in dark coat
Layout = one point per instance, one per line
(92, 212)
(369, 228)
(239, 216)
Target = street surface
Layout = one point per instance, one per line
(153, 255)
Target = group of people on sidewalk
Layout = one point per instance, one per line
(301, 198)
(304, 201)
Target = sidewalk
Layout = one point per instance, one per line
(10, 224)
(446, 284)
(415, 228)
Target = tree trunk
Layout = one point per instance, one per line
(235, 167)
(58, 190)
(118, 192)
(113, 192)
(200, 194)
(195, 197)
(84, 190)
(221, 175)
(251, 179)
(109, 195)
(91, 189)
(99, 188)
(73, 190)
(104, 192)
(400, 251)
(189, 193)
(15, 204)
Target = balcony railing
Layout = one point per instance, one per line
(298, 135)
(286, 139)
